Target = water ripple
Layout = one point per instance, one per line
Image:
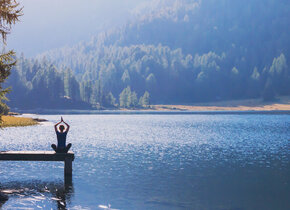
(156, 162)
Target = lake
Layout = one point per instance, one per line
(144, 161)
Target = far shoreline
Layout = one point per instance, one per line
(154, 112)
(282, 105)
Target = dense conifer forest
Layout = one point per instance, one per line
(173, 52)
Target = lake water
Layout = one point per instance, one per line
(218, 162)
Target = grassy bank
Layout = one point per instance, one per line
(11, 121)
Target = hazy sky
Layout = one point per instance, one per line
(49, 24)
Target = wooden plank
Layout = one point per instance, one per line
(68, 167)
(35, 156)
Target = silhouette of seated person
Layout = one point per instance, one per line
(61, 133)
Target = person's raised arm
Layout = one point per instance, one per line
(67, 125)
(55, 126)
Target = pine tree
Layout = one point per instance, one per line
(145, 99)
(126, 77)
(133, 99)
(125, 97)
(110, 100)
(9, 14)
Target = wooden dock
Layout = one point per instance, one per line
(40, 156)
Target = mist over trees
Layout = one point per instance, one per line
(174, 52)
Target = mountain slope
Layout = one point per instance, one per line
(186, 51)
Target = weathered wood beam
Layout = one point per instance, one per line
(40, 156)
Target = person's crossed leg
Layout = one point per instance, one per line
(61, 150)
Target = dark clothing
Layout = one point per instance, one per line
(61, 150)
(61, 143)
(61, 139)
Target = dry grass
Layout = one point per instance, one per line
(236, 105)
(10, 121)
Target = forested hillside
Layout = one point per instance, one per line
(174, 52)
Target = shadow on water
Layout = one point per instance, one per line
(36, 193)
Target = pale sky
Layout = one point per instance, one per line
(49, 24)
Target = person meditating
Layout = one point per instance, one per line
(61, 133)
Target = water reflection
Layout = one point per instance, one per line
(35, 193)
(220, 162)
